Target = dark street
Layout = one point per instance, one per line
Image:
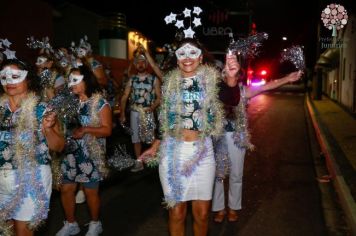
(280, 194)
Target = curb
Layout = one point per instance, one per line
(347, 202)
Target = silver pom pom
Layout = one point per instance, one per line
(295, 55)
(247, 46)
(120, 160)
(65, 104)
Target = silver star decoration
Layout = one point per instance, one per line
(179, 24)
(188, 33)
(9, 54)
(169, 19)
(186, 12)
(6, 43)
(197, 10)
(196, 22)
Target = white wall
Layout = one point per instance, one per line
(348, 64)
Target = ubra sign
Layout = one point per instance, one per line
(214, 31)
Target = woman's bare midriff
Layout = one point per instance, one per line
(190, 135)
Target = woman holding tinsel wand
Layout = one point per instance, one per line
(232, 146)
(85, 161)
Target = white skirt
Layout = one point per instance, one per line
(178, 183)
(26, 211)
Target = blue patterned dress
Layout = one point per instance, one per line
(81, 166)
(7, 129)
(25, 175)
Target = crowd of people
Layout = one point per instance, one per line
(200, 140)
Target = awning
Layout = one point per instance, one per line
(329, 58)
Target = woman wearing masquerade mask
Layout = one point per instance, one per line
(186, 165)
(191, 114)
(27, 133)
(85, 57)
(85, 161)
(235, 141)
(84, 53)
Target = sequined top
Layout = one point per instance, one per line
(8, 121)
(192, 96)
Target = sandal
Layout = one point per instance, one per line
(219, 216)
(232, 215)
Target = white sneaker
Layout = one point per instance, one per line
(138, 166)
(80, 197)
(68, 229)
(95, 228)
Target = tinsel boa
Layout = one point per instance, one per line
(97, 152)
(147, 125)
(171, 89)
(241, 137)
(27, 177)
(47, 82)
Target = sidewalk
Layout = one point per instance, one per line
(336, 133)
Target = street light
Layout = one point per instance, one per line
(284, 38)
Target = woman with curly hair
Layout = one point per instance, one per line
(191, 114)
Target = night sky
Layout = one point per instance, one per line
(276, 17)
(297, 20)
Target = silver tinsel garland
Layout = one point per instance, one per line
(247, 47)
(147, 125)
(65, 104)
(223, 163)
(28, 177)
(46, 79)
(35, 44)
(5, 123)
(120, 159)
(295, 55)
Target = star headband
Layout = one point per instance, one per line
(179, 21)
(83, 49)
(295, 55)
(62, 57)
(42, 44)
(5, 49)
